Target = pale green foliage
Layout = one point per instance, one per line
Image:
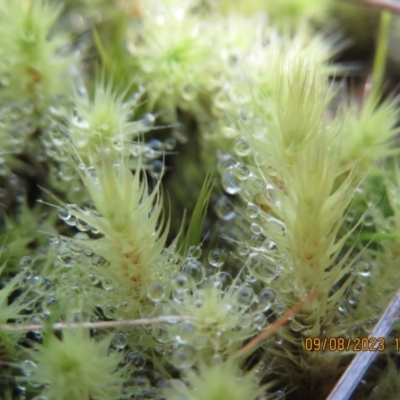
(252, 65)
(101, 121)
(193, 234)
(30, 66)
(23, 236)
(393, 188)
(302, 205)
(388, 386)
(251, 96)
(381, 264)
(217, 382)
(221, 320)
(285, 12)
(369, 133)
(128, 218)
(13, 310)
(300, 163)
(168, 53)
(302, 98)
(76, 367)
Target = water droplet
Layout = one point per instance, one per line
(4, 169)
(255, 228)
(229, 132)
(26, 262)
(109, 312)
(242, 322)
(224, 209)
(265, 299)
(271, 171)
(276, 227)
(156, 292)
(148, 120)
(183, 356)
(351, 215)
(107, 285)
(172, 256)
(141, 383)
(221, 280)
(66, 260)
(75, 248)
(229, 182)
(98, 261)
(181, 281)
(25, 278)
(258, 321)
(353, 302)
(216, 258)
(187, 332)
(369, 325)
(134, 358)
(263, 267)
(216, 359)
(3, 193)
(82, 225)
(161, 334)
(48, 304)
(194, 269)
(64, 214)
(271, 195)
(28, 367)
(13, 180)
(189, 92)
(149, 154)
(357, 289)
(255, 241)
(170, 144)
(256, 183)
(80, 123)
(194, 252)
(279, 395)
(119, 341)
(366, 269)
(242, 147)
(270, 245)
(40, 284)
(81, 92)
(88, 253)
(245, 296)
(241, 171)
(368, 220)
(376, 389)
(225, 162)
(156, 145)
(343, 309)
(252, 210)
(278, 339)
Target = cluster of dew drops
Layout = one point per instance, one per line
(71, 252)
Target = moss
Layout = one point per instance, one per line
(131, 279)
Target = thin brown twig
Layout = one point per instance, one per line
(275, 326)
(101, 324)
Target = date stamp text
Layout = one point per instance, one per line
(355, 344)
